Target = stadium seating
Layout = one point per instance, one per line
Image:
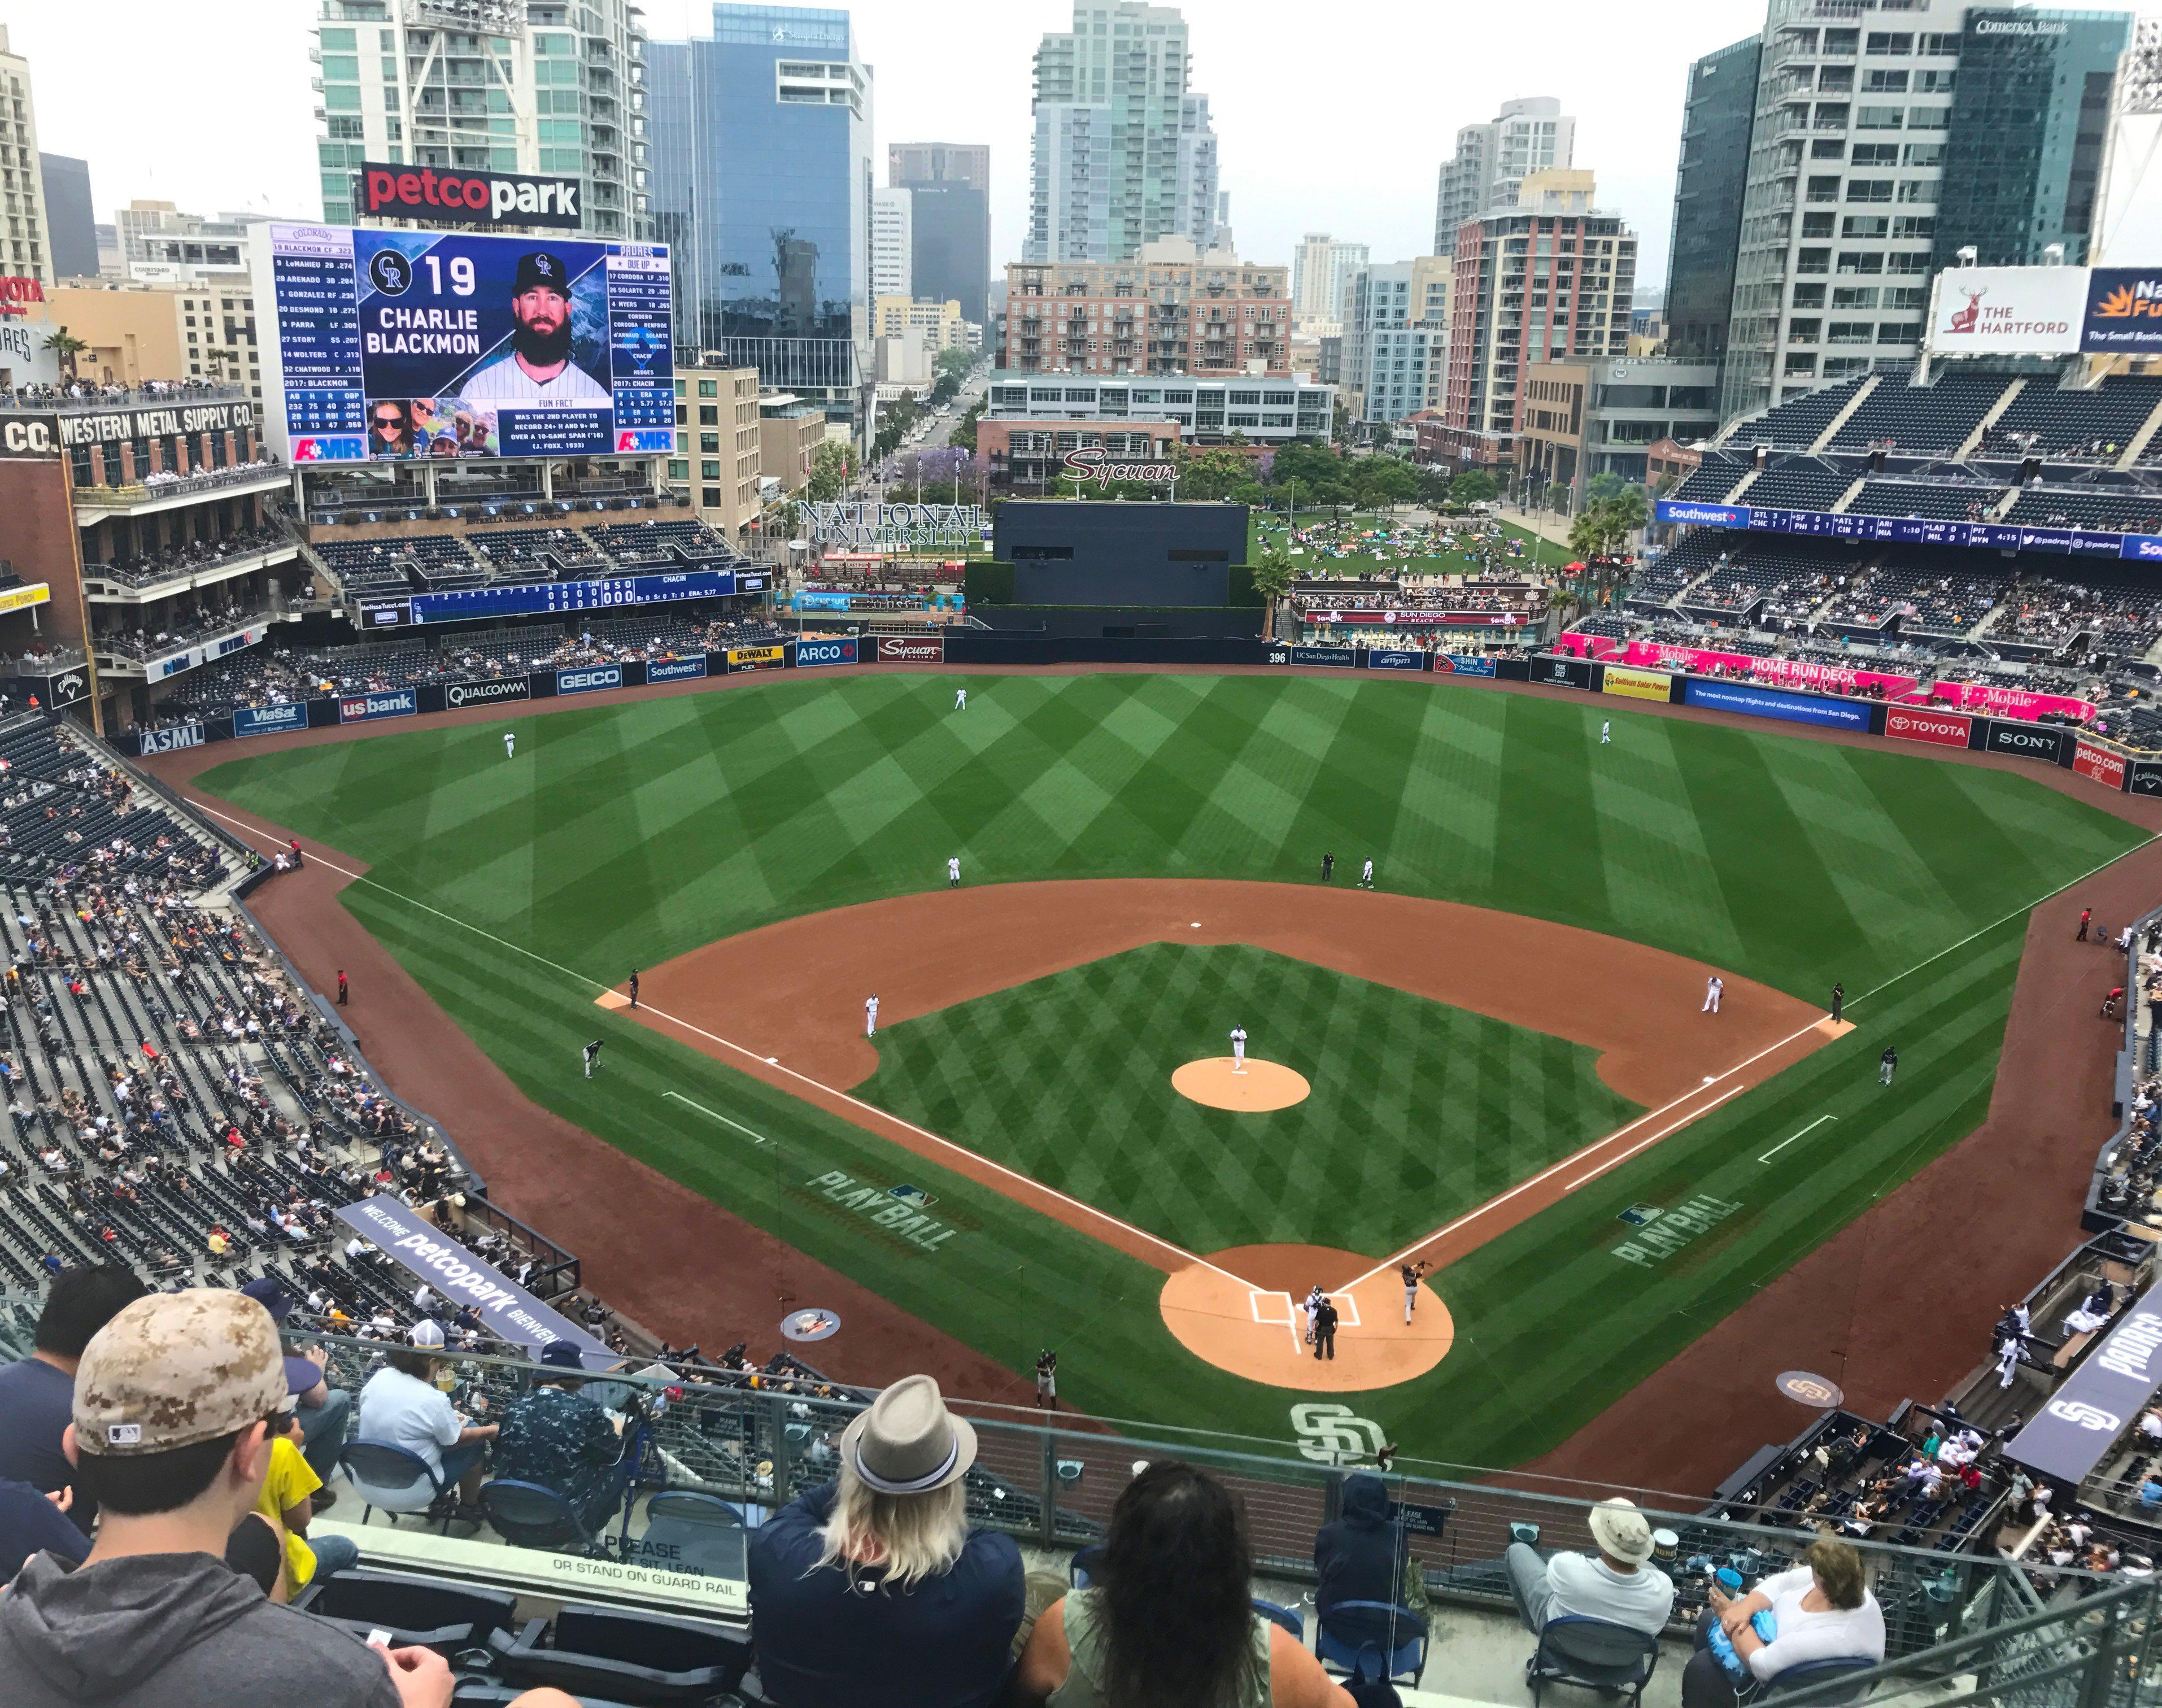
(1710, 483)
(2133, 511)
(1805, 484)
(1933, 500)
(1937, 417)
(1799, 422)
(2074, 426)
(649, 543)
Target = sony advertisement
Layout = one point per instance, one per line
(392, 346)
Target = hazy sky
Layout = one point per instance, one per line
(1329, 117)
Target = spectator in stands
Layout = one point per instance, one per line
(1821, 1610)
(1169, 1619)
(401, 1407)
(557, 1437)
(290, 1487)
(874, 1588)
(323, 1408)
(1615, 1584)
(36, 1395)
(1360, 1556)
(169, 1435)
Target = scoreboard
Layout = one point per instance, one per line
(401, 345)
(556, 597)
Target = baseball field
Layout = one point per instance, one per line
(1501, 1063)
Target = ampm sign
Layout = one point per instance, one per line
(590, 679)
(268, 720)
(815, 652)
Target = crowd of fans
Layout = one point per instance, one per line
(190, 557)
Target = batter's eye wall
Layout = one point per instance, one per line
(1119, 554)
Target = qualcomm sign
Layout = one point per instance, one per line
(589, 680)
(485, 693)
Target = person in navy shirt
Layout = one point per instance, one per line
(37, 1394)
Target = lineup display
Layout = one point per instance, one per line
(393, 345)
(1995, 536)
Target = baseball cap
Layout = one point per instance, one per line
(176, 1370)
(428, 1334)
(270, 1293)
(562, 1352)
(542, 267)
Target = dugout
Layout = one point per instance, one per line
(1069, 553)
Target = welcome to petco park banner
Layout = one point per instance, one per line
(2082, 1420)
(463, 1279)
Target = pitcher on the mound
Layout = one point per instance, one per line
(1238, 1049)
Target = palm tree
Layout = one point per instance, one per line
(1272, 578)
(66, 347)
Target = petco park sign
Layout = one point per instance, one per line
(429, 197)
(1091, 464)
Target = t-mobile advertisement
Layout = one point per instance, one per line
(395, 345)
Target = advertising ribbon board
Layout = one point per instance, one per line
(268, 720)
(1464, 664)
(1637, 684)
(180, 735)
(589, 679)
(1340, 656)
(2105, 766)
(507, 1309)
(2145, 777)
(842, 650)
(2045, 742)
(458, 694)
(674, 670)
(1562, 673)
(361, 708)
(1383, 658)
(758, 658)
(911, 649)
(1938, 729)
(2082, 1421)
(1776, 702)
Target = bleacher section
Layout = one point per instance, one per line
(2123, 618)
(1805, 485)
(446, 562)
(1710, 484)
(1936, 501)
(1942, 605)
(2091, 425)
(2132, 510)
(1936, 418)
(1799, 422)
(647, 543)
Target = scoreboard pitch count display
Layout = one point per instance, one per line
(396, 345)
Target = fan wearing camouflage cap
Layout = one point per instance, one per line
(176, 1401)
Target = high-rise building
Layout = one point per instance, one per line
(1169, 310)
(1718, 116)
(69, 221)
(1531, 135)
(28, 251)
(1320, 268)
(1871, 162)
(504, 86)
(1396, 336)
(1123, 152)
(950, 184)
(161, 244)
(892, 244)
(762, 187)
(1550, 277)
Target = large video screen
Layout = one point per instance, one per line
(397, 345)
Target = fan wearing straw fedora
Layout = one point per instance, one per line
(874, 1588)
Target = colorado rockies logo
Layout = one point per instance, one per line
(390, 272)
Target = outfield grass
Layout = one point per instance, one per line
(1418, 1111)
(624, 835)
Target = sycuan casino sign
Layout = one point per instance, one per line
(1090, 463)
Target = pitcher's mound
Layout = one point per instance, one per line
(1264, 1085)
(1239, 1311)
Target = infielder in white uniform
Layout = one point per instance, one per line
(960, 699)
(1238, 1049)
(1712, 988)
(870, 1016)
(1606, 732)
(954, 873)
(1367, 877)
(510, 743)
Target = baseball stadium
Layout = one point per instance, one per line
(1348, 1007)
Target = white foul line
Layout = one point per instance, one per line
(976, 1158)
(1642, 1144)
(755, 1138)
(1783, 1143)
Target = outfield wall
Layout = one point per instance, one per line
(2104, 763)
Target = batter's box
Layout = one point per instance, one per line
(1263, 1305)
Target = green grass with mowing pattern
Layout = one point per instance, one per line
(624, 835)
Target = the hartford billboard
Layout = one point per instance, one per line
(2046, 312)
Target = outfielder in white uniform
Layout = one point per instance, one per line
(960, 699)
(954, 873)
(510, 743)
(1606, 732)
(1713, 987)
(870, 1016)
(1238, 1049)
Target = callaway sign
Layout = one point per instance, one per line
(1090, 463)
(429, 197)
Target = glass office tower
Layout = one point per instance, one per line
(1717, 124)
(762, 187)
(2030, 117)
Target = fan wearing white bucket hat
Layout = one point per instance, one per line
(874, 1588)
(1616, 1583)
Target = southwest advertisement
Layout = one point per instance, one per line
(393, 345)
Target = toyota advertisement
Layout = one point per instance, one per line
(394, 345)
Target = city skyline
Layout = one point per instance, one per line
(1291, 158)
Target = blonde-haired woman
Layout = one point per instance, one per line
(1821, 1609)
(874, 1588)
